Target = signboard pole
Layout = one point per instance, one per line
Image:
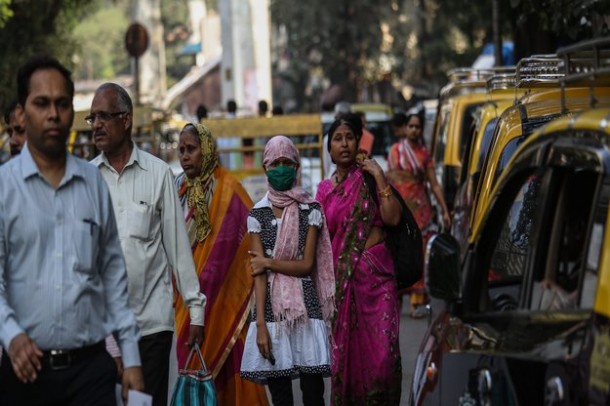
(136, 43)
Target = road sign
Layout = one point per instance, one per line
(136, 40)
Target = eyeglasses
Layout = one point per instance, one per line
(103, 116)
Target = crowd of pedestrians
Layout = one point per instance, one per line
(103, 263)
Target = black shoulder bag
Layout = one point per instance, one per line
(404, 241)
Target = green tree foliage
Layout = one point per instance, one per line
(356, 42)
(340, 37)
(451, 34)
(540, 26)
(36, 27)
(100, 37)
(5, 12)
(174, 16)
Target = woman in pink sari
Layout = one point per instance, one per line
(366, 366)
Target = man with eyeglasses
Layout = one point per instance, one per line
(152, 232)
(14, 128)
(63, 284)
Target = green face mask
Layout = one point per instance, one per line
(281, 178)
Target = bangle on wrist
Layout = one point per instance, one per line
(386, 192)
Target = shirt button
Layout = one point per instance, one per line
(268, 252)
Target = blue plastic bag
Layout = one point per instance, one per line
(195, 387)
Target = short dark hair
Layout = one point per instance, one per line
(263, 107)
(401, 119)
(202, 112)
(25, 72)
(231, 106)
(10, 109)
(352, 120)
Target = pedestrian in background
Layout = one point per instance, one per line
(410, 171)
(202, 113)
(231, 160)
(293, 282)
(366, 365)
(220, 250)
(14, 128)
(63, 285)
(152, 232)
(263, 108)
(368, 139)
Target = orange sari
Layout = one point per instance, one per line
(221, 263)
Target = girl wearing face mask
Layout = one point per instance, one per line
(294, 284)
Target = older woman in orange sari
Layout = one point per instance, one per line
(220, 251)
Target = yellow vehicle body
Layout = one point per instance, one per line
(456, 116)
(372, 109)
(471, 171)
(511, 127)
(533, 288)
(596, 121)
(489, 112)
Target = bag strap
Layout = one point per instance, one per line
(369, 180)
(195, 348)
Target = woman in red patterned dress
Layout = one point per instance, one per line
(410, 166)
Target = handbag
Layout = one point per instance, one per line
(194, 387)
(404, 241)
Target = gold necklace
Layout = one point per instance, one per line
(337, 180)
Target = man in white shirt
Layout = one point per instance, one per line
(152, 233)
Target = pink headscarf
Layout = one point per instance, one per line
(287, 297)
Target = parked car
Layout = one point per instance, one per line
(458, 104)
(526, 319)
(515, 125)
(470, 173)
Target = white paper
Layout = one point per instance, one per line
(134, 398)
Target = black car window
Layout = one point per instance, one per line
(513, 244)
(441, 141)
(486, 142)
(506, 155)
(528, 127)
(555, 285)
(588, 282)
(470, 115)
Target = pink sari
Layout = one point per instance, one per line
(366, 366)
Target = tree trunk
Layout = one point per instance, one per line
(497, 37)
(530, 39)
